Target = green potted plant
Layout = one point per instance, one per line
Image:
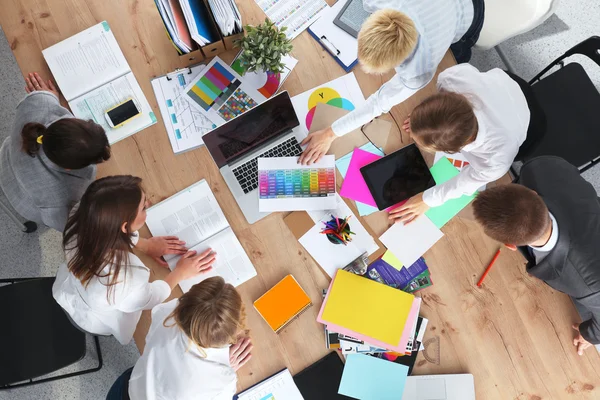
(263, 47)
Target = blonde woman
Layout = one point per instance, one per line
(410, 37)
(193, 349)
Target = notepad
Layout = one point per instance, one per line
(367, 307)
(282, 303)
(443, 171)
(370, 378)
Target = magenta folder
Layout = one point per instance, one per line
(399, 348)
(354, 186)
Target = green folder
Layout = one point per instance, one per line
(443, 171)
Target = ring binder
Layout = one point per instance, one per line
(178, 71)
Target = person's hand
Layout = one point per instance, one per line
(406, 125)
(159, 246)
(239, 353)
(409, 211)
(579, 341)
(318, 143)
(192, 264)
(35, 83)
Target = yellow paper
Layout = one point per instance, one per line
(391, 259)
(367, 307)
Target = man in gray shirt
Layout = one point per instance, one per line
(47, 162)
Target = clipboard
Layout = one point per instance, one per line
(342, 46)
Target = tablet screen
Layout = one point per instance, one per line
(397, 177)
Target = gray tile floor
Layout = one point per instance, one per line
(39, 254)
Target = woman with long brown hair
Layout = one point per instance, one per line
(193, 349)
(104, 286)
(50, 157)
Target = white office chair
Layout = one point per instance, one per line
(505, 19)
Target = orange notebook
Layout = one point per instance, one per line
(282, 303)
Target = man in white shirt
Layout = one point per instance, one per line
(487, 117)
(553, 217)
(410, 36)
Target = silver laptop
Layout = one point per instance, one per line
(439, 387)
(265, 131)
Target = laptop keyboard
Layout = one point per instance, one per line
(247, 173)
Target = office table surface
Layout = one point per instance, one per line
(513, 334)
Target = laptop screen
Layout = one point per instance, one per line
(253, 128)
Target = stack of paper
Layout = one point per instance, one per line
(172, 15)
(227, 16)
(199, 21)
(343, 164)
(369, 311)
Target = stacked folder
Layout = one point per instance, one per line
(193, 23)
(375, 313)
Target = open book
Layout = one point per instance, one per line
(94, 76)
(196, 218)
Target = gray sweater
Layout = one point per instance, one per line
(38, 189)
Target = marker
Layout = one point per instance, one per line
(489, 267)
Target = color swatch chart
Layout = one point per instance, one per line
(221, 94)
(285, 185)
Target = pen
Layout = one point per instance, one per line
(489, 267)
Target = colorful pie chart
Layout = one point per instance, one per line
(328, 96)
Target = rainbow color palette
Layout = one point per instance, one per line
(285, 185)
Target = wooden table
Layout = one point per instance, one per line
(514, 334)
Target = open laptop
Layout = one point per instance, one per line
(351, 17)
(267, 130)
(439, 387)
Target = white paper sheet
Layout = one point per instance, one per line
(297, 15)
(285, 185)
(409, 242)
(94, 104)
(185, 124)
(332, 257)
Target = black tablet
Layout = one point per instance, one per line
(397, 176)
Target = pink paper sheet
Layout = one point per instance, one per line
(400, 348)
(354, 186)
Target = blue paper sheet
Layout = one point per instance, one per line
(342, 165)
(370, 378)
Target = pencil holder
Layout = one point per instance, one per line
(338, 230)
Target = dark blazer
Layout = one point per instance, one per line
(573, 266)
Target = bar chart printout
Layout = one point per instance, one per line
(285, 185)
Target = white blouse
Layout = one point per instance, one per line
(503, 117)
(173, 368)
(117, 314)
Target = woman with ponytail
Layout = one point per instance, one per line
(50, 157)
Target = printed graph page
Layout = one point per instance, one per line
(193, 215)
(285, 185)
(94, 104)
(86, 61)
(232, 262)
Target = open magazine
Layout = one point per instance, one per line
(93, 75)
(195, 217)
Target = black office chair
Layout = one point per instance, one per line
(36, 337)
(572, 107)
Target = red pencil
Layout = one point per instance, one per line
(489, 267)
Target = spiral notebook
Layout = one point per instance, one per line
(282, 303)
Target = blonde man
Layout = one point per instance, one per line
(410, 36)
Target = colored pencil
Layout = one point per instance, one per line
(489, 267)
